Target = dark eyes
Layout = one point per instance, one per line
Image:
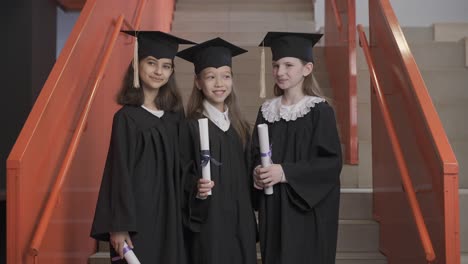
(165, 66)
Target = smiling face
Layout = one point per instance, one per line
(289, 73)
(215, 84)
(154, 73)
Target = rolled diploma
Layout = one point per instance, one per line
(264, 149)
(129, 255)
(205, 145)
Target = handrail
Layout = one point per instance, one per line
(22, 143)
(397, 150)
(139, 13)
(57, 187)
(339, 23)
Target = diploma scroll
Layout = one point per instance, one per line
(205, 149)
(265, 151)
(129, 255)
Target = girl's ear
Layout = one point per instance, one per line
(307, 69)
(197, 84)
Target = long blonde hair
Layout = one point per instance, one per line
(195, 110)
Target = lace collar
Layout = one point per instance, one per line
(157, 113)
(220, 119)
(273, 110)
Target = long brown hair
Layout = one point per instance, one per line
(168, 98)
(195, 110)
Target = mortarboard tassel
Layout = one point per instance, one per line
(136, 77)
(262, 73)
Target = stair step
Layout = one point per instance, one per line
(341, 258)
(464, 258)
(450, 31)
(418, 34)
(252, 16)
(430, 55)
(242, 26)
(349, 176)
(230, 2)
(358, 236)
(445, 85)
(356, 204)
(99, 258)
(249, 7)
(360, 258)
(103, 246)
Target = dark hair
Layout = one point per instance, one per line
(168, 98)
(195, 110)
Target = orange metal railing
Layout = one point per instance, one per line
(397, 150)
(70, 154)
(340, 55)
(415, 172)
(336, 15)
(54, 169)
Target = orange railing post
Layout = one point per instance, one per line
(397, 151)
(340, 56)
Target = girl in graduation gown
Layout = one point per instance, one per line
(220, 228)
(139, 196)
(299, 221)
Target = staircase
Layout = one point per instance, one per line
(442, 64)
(243, 22)
(441, 52)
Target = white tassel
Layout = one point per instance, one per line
(262, 73)
(136, 77)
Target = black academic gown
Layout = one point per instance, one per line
(222, 228)
(299, 222)
(140, 186)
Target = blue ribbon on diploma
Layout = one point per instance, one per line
(267, 154)
(206, 156)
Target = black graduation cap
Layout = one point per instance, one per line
(212, 53)
(286, 44)
(291, 44)
(157, 44)
(153, 43)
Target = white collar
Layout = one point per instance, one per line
(219, 118)
(158, 113)
(273, 110)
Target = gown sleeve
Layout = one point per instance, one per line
(115, 209)
(195, 211)
(310, 180)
